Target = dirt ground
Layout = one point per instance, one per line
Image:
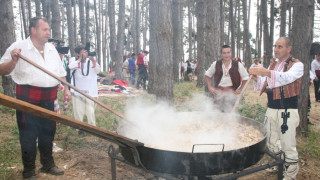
(91, 160)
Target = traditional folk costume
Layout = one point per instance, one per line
(38, 88)
(282, 117)
(315, 68)
(227, 80)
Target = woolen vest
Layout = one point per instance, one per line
(140, 59)
(233, 72)
(290, 90)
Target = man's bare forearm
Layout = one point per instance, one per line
(7, 67)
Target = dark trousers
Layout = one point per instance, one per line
(133, 76)
(142, 76)
(316, 89)
(30, 128)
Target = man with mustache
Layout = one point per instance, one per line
(38, 88)
(282, 118)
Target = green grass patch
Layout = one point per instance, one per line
(256, 111)
(184, 91)
(10, 155)
(310, 146)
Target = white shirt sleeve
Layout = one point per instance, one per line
(97, 69)
(312, 76)
(212, 69)
(278, 79)
(243, 72)
(73, 63)
(313, 66)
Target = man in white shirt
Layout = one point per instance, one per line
(282, 117)
(229, 78)
(36, 87)
(315, 68)
(84, 70)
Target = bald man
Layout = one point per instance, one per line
(282, 118)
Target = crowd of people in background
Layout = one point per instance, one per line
(281, 81)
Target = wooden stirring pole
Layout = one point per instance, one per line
(235, 107)
(71, 86)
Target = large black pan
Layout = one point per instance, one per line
(198, 164)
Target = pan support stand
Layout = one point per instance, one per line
(113, 154)
(278, 162)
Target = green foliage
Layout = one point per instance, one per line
(256, 111)
(10, 154)
(7, 110)
(310, 145)
(183, 91)
(14, 130)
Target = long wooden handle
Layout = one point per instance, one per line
(235, 107)
(71, 86)
(44, 113)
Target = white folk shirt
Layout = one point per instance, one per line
(279, 78)
(146, 60)
(226, 79)
(315, 65)
(26, 74)
(87, 84)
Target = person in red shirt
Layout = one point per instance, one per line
(142, 63)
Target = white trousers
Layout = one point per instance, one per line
(286, 142)
(83, 106)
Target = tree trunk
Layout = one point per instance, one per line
(161, 49)
(257, 32)
(38, 8)
(75, 34)
(239, 37)
(82, 22)
(98, 33)
(177, 31)
(249, 11)
(213, 43)
(48, 15)
(138, 48)
(190, 29)
(129, 44)
(29, 10)
(112, 24)
(145, 25)
(56, 19)
(106, 59)
(221, 23)
(182, 30)
(271, 22)
(231, 28)
(70, 27)
(44, 8)
(283, 17)
(120, 36)
(290, 18)
(7, 36)
(247, 47)
(201, 13)
(133, 28)
(302, 28)
(267, 49)
(104, 38)
(260, 36)
(63, 19)
(25, 26)
(87, 21)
